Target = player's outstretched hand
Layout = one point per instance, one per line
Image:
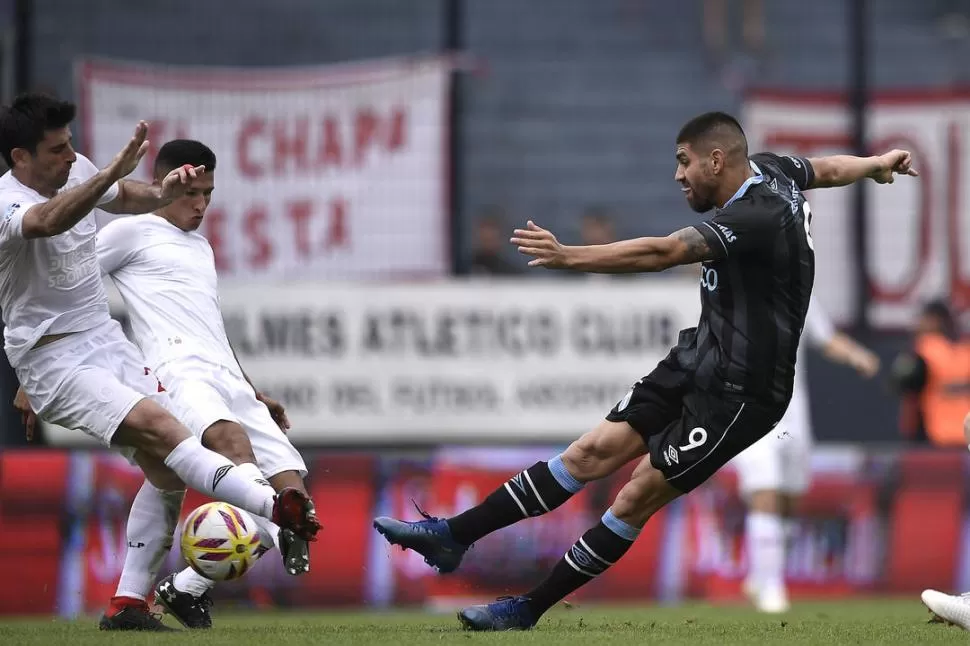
(865, 362)
(21, 403)
(276, 411)
(127, 160)
(541, 245)
(895, 162)
(179, 180)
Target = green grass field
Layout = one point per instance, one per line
(884, 622)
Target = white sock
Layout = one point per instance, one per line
(214, 475)
(267, 529)
(269, 533)
(188, 580)
(765, 537)
(151, 524)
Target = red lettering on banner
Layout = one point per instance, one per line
(897, 294)
(395, 139)
(959, 280)
(365, 133)
(251, 128)
(290, 145)
(330, 150)
(337, 225)
(215, 227)
(301, 146)
(254, 224)
(807, 143)
(299, 214)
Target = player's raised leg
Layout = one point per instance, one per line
(595, 551)
(149, 428)
(682, 455)
(533, 492)
(184, 594)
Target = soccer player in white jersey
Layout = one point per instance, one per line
(775, 470)
(165, 271)
(74, 364)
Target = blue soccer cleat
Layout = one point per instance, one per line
(507, 613)
(431, 538)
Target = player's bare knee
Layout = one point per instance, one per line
(602, 451)
(645, 494)
(151, 429)
(230, 440)
(288, 479)
(159, 475)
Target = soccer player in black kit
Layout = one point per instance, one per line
(724, 385)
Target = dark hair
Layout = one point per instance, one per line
(179, 152)
(714, 130)
(24, 123)
(940, 310)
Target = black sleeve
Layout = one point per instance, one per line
(908, 373)
(798, 168)
(740, 228)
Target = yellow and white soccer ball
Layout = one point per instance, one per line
(219, 541)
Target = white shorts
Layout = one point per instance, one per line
(781, 460)
(88, 381)
(204, 393)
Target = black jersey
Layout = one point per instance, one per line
(755, 294)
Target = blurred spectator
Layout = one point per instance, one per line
(596, 227)
(491, 245)
(736, 65)
(934, 379)
(718, 23)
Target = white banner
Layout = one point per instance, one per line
(918, 229)
(455, 361)
(323, 173)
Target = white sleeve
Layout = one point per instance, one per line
(116, 244)
(818, 326)
(13, 205)
(87, 170)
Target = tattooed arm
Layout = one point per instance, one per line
(683, 247)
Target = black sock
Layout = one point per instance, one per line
(533, 492)
(598, 549)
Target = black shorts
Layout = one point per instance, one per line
(690, 434)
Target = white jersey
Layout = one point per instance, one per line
(168, 280)
(818, 332)
(47, 285)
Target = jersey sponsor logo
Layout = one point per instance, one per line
(69, 269)
(671, 455)
(796, 197)
(708, 278)
(220, 474)
(10, 211)
(623, 403)
(728, 234)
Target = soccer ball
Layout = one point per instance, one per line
(219, 541)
